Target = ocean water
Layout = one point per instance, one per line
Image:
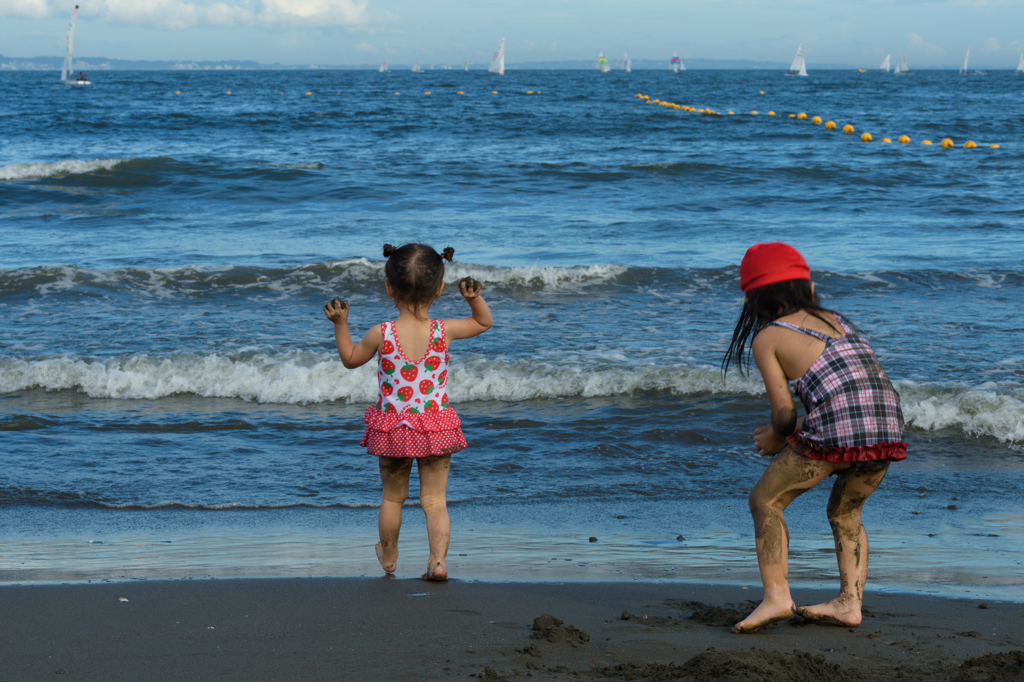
(171, 404)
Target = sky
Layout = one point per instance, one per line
(333, 32)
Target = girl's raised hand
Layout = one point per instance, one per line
(336, 311)
(470, 288)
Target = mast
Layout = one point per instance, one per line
(68, 69)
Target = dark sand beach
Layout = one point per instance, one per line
(390, 629)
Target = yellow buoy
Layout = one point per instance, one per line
(427, 92)
(771, 113)
(494, 92)
(866, 137)
(460, 92)
(732, 113)
(529, 92)
(969, 144)
(762, 92)
(947, 143)
(831, 125)
(228, 92)
(886, 140)
(398, 93)
(309, 93)
(904, 139)
(700, 111)
(792, 115)
(177, 92)
(754, 112)
(639, 96)
(801, 115)
(927, 142)
(816, 120)
(848, 129)
(993, 146)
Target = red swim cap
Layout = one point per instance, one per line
(769, 263)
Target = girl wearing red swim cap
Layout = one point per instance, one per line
(852, 428)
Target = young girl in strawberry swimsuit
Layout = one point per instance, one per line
(412, 419)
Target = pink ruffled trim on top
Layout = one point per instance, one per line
(405, 434)
(894, 451)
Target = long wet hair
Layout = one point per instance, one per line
(764, 305)
(415, 272)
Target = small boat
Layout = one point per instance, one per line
(602, 64)
(416, 68)
(902, 69)
(964, 70)
(676, 63)
(885, 64)
(799, 66)
(67, 76)
(498, 60)
(466, 66)
(627, 65)
(1020, 64)
(383, 67)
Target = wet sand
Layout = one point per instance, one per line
(381, 629)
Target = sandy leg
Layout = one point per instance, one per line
(849, 493)
(786, 478)
(394, 474)
(434, 501)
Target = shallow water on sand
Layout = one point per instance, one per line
(165, 369)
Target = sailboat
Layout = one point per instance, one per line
(67, 71)
(676, 63)
(902, 69)
(602, 64)
(627, 65)
(964, 70)
(885, 64)
(799, 66)
(498, 60)
(383, 67)
(1020, 64)
(416, 67)
(466, 65)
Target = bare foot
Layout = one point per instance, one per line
(765, 614)
(437, 574)
(388, 567)
(844, 613)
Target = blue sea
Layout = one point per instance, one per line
(172, 406)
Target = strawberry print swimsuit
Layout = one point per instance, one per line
(411, 417)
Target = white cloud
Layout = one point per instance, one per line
(992, 44)
(34, 9)
(919, 43)
(177, 15)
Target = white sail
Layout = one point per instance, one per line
(799, 66)
(466, 65)
(416, 67)
(602, 63)
(498, 60)
(902, 66)
(676, 63)
(67, 70)
(967, 56)
(627, 65)
(1020, 64)
(384, 67)
(885, 64)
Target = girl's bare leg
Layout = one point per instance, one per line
(785, 479)
(434, 500)
(849, 493)
(394, 474)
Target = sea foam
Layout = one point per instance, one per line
(54, 169)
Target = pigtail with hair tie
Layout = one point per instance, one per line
(388, 250)
(448, 254)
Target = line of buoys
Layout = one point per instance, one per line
(816, 120)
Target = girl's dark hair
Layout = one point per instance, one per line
(767, 304)
(416, 272)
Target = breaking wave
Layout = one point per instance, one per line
(303, 378)
(55, 169)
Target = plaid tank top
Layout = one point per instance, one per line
(853, 411)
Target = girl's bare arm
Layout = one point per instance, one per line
(479, 321)
(352, 355)
(771, 439)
